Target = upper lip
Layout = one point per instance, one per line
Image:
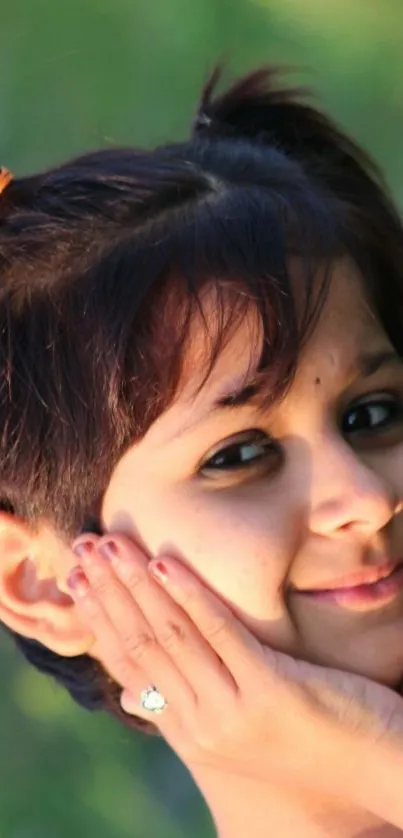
(364, 576)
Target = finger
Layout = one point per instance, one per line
(127, 658)
(118, 667)
(156, 612)
(237, 647)
(94, 614)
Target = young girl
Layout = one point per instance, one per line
(201, 347)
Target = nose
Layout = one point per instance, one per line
(347, 495)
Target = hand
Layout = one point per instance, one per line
(234, 705)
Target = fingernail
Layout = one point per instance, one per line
(77, 581)
(83, 548)
(108, 549)
(159, 571)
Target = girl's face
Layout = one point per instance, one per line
(314, 497)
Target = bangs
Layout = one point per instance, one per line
(243, 255)
(205, 241)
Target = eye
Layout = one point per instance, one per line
(252, 449)
(382, 414)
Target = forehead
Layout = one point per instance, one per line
(347, 328)
(347, 324)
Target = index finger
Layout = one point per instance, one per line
(236, 646)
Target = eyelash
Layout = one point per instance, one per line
(249, 438)
(392, 400)
(273, 451)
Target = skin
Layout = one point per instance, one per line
(328, 504)
(333, 507)
(263, 754)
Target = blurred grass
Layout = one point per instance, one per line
(86, 73)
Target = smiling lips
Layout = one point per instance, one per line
(365, 576)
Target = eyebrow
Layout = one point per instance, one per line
(239, 397)
(369, 363)
(364, 366)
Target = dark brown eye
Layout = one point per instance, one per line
(252, 449)
(372, 416)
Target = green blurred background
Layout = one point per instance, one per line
(78, 74)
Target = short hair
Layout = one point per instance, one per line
(103, 261)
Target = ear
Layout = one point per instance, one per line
(34, 598)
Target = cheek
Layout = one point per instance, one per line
(387, 463)
(393, 469)
(239, 547)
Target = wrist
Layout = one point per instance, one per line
(241, 806)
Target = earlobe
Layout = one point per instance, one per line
(31, 601)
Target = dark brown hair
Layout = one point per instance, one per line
(103, 261)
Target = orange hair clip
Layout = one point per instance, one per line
(5, 178)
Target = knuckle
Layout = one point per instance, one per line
(123, 672)
(131, 574)
(189, 598)
(172, 635)
(218, 628)
(93, 609)
(100, 586)
(138, 645)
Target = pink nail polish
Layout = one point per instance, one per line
(78, 582)
(159, 571)
(108, 549)
(83, 548)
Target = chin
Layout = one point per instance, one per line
(388, 673)
(375, 653)
(368, 662)
(390, 677)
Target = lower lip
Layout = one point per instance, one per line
(362, 595)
